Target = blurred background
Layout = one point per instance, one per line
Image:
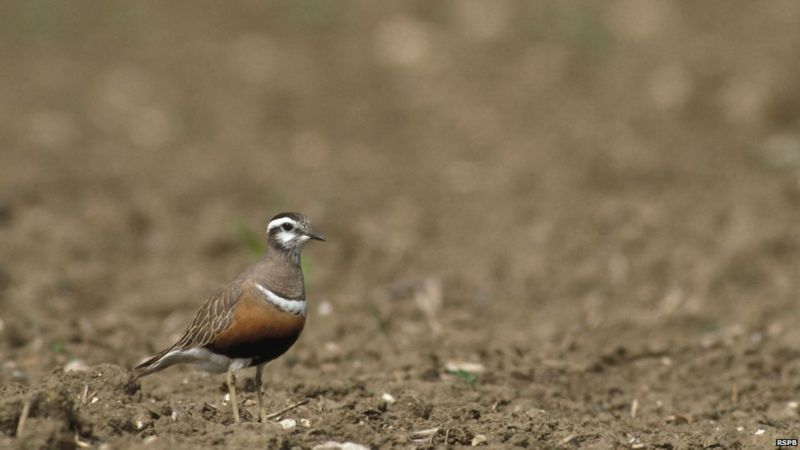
(541, 188)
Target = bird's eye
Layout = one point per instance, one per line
(287, 227)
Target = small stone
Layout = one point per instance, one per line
(479, 439)
(677, 419)
(760, 431)
(149, 440)
(792, 405)
(305, 423)
(143, 420)
(325, 309)
(388, 398)
(11, 368)
(287, 424)
(471, 367)
(353, 446)
(76, 365)
(535, 412)
(332, 347)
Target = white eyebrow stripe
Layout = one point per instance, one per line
(290, 306)
(281, 221)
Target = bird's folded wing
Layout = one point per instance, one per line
(214, 316)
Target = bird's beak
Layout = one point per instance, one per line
(315, 236)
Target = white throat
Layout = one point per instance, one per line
(283, 304)
(287, 238)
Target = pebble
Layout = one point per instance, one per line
(479, 439)
(76, 365)
(471, 367)
(388, 398)
(287, 424)
(325, 309)
(332, 347)
(11, 368)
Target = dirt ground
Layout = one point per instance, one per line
(551, 225)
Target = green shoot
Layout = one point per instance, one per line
(467, 377)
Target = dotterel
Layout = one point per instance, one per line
(254, 319)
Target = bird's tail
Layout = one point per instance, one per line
(151, 364)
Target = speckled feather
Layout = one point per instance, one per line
(213, 317)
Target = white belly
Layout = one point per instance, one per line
(205, 359)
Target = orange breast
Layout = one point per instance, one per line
(258, 330)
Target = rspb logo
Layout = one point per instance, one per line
(785, 442)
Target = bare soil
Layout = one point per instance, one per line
(551, 225)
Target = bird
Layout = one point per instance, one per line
(253, 319)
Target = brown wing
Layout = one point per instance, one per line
(213, 317)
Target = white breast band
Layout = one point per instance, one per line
(290, 306)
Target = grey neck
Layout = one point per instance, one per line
(287, 255)
(280, 272)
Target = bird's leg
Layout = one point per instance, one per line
(261, 411)
(232, 393)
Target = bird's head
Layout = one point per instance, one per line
(289, 231)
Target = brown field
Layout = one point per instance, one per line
(596, 204)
